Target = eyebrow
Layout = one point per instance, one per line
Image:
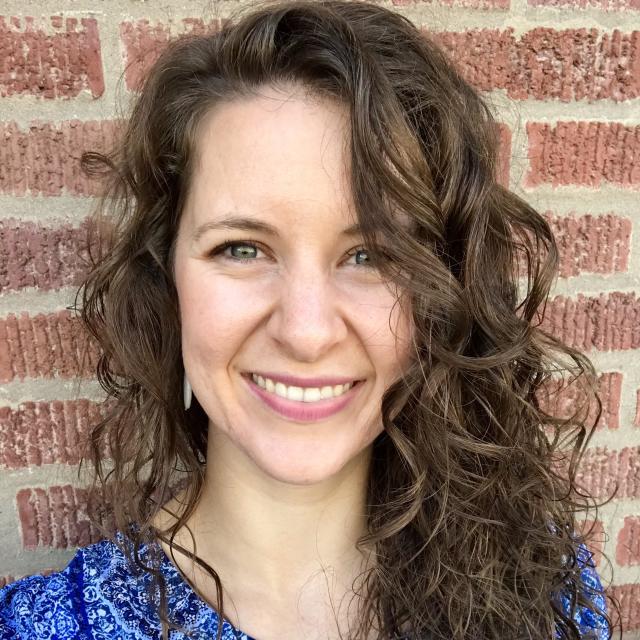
(252, 224)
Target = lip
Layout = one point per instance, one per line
(289, 380)
(303, 411)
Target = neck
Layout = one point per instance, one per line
(250, 526)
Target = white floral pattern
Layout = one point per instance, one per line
(96, 597)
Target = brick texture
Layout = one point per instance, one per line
(56, 517)
(563, 401)
(606, 322)
(606, 5)
(46, 257)
(144, 41)
(45, 159)
(38, 433)
(628, 595)
(53, 64)
(628, 546)
(549, 64)
(44, 346)
(601, 469)
(591, 244)
(588, 154)
(54, 58)
(595, 537)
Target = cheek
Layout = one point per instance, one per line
(214, 309)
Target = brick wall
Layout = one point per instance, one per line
(564, 76)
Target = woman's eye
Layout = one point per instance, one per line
(239, 251)
(362, 257)
(247, 251)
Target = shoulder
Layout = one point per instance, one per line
(590, 619)
(93, 597)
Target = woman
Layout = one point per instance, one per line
(325, 417)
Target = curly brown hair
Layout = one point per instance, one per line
(472, 498)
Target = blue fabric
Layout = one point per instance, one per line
(96, 597)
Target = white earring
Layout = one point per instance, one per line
(187, 392)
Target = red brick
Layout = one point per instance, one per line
(504, 155)
(584, 153)
(600, 470)
(143, 42)
(45, 159)
(58, 60)
(606, 5)
(591, 244)
(562, 401)
(40, 433)
(34, 255)
(52, 345)
(5, 580)
(468, 4)
(544, 63)
(56, 517)
(594, 533)
(628, 595)
(608, 322)
(628, 547)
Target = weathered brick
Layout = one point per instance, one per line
(45, 159)
(601, 470)
(563, 400)
(603, 5)
(38, 433)
(628, 545)
(143, 42)
(55, 60)
(591, 244)
(608, 322)
(628, 595)
(52, 345)
(468, 4)
(5, 580)
(46, 257)
(57, 517)
(544, 63)
(595, 537)
(504, 155)
(584, 153)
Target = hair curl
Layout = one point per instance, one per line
(472, 497)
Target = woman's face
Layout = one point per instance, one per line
(293, 295)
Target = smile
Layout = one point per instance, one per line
(307, 404)
(301, 394)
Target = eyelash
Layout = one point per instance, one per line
(253, 243)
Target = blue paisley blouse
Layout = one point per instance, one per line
(96, 597)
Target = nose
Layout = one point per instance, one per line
(307, 320)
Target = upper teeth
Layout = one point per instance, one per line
(306, 394)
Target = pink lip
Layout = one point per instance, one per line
(303, 411)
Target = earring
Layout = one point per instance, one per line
(187, 393)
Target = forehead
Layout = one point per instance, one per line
(281, 151)
(273, 150)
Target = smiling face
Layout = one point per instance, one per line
(293, 295)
